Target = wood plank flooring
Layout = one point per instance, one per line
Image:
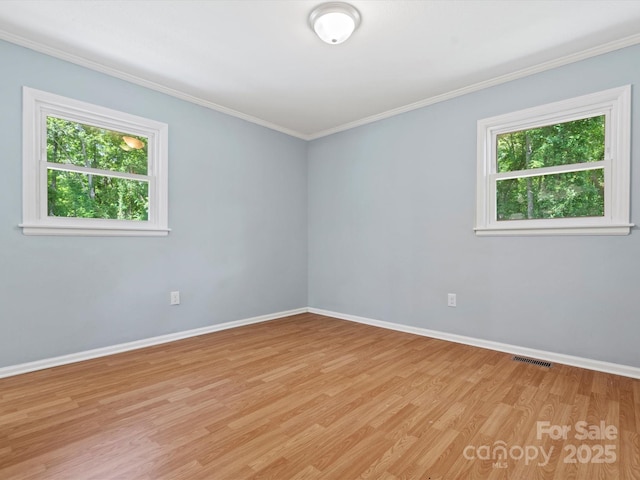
(311, 397)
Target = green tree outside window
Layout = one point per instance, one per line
(559, 195)
(95, 195)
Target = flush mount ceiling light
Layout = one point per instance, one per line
(131, 143)
(334, 22)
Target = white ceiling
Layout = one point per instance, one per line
(260, 60)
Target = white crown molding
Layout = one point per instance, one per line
(146, 342)
(525, 72)
(114, 72)
(589, 364)
(122, 75)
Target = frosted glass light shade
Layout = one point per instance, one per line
(334, 22)
(133, 142)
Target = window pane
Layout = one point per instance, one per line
(93, 147)
(72, 194)
(563, 195)
(565, 143)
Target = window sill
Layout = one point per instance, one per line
(78, 231)
(621, 229)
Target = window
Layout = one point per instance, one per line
(559, 169)
(89, 170)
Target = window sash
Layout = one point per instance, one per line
(563, 121)
(44, 185)
(96, 204)
(536, 200)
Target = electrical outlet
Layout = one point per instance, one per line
(451, 300)
(174, 298)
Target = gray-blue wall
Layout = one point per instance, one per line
(238, 213)
(391, 213)
(377, 219)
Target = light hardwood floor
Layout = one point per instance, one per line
(311, 397)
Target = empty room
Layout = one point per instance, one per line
(278, 239)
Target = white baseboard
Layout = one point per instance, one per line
(145, 342)
(597, 365)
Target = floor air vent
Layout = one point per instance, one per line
(531, 361)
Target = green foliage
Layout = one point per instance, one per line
(559, 195)
(84, 195)
(564, 195)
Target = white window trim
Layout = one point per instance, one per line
(616, 105)
(36, 106)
